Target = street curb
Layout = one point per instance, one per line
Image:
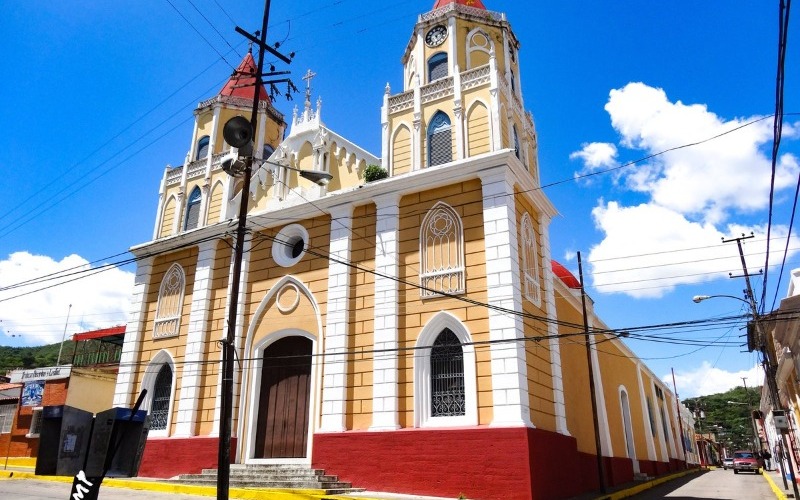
(629, 492)
(775, 489)
(186, 489)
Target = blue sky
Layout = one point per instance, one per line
(99, 99)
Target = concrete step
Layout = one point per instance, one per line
(272, 476)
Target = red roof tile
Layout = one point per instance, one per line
(469, 3)
(241, 84)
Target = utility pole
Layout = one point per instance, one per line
(598, 448)
(228, 344)
(769, 364)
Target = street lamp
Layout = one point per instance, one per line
(700, 298)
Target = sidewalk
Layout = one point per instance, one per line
(775, 481)
(23, 468)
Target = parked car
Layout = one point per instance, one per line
(746, 460)
(727, 463)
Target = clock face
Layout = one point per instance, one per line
(436, 36)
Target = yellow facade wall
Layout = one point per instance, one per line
(467, 200)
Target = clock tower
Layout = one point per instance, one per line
(461, 93)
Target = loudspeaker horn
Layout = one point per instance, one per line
(238, 132)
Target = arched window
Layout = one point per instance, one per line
(170, 303)
(267, 151)
(447, 376)
(437, 66)
(513, 82)
(441, 252)
(162, 396)
(202, 148)
(516, 142)
(440, 140)
(193, 209)
(530, 260)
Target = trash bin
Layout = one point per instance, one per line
(115, 430)
(63, 440)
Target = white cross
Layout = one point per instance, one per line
(308, 77)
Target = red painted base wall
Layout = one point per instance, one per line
(481, 463)
(168, 457)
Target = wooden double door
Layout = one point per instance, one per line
(284, 399)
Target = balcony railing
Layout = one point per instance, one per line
(106, 355)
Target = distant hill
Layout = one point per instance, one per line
(728, 415)
(13, 358)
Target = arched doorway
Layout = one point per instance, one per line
(283, 409)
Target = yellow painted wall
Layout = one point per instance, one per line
(91, 390)
(176, 346)
(401, 151)
(467, 200)
(540, 374)
(169, 218)
(478, 130)
(215, 203)
(361, 319)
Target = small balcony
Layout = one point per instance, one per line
(98, 348)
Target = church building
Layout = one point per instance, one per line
(409, 334)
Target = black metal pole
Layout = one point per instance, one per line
(598, 449)
(226, 406)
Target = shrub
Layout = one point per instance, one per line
(375, 173)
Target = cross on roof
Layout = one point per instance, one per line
(308, 77)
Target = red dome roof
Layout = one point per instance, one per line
(469, 3)
(564, 275)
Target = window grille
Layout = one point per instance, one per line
(440, 141)
(447, 376)
(442, 252)
(7, 417)
(650, 417)
(36, 423)
(530, 260)
(162, 393)
(437, 66)
(202, 148)
(193, 209)
(170, 303)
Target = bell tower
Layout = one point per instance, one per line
(461, 93)
(199, 193)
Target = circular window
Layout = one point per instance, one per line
(290, 245)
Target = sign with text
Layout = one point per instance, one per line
(51, 373)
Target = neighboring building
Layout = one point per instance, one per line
(87, 383)
(783, 346)
(411, 334)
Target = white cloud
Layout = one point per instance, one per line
(706, 380)
(595, 156)
(648, 250)
(38, 312)
(691, 193)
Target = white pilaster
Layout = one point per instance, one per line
(385, 153)
(237, 340)
(385, 375)
(191, 379)
(649, 431)
(458, 114)
(134, 333)
(506, 330)
(494, 84)
(600, 397)
(416, 135)
(659, 427)
(559, 404)
(335, 362)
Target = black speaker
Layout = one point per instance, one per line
(238, 132)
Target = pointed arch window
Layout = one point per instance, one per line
(193, 209)
(162, 396)
(437, 66)
(267, 151)
(170, 303)
(442, 252)
(440, 140)
(202, 148)
(530, 260)
(447, 376)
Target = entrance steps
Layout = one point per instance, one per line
(272, 476)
